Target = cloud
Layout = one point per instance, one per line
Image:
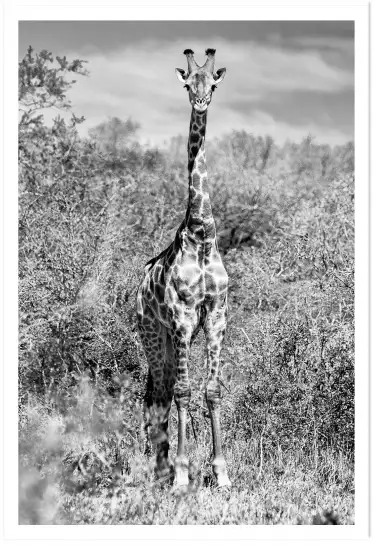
(261, 123)
(139, 82)
(343, 45)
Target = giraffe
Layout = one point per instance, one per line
(184, 289)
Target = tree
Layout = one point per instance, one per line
(42, 85)
(112, 138)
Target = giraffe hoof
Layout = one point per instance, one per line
(220, 472)
(180, 487)
(181, 472)
(181, 479)
(223, 481)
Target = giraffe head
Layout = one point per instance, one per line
(200, 81)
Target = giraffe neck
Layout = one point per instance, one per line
(199, 217)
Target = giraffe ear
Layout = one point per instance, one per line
(219, 75)
(181, 74)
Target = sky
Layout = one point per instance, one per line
(286, 79)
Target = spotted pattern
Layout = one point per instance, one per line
(184, 289)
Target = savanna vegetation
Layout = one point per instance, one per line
(92, 211)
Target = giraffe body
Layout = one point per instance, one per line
(184, 289)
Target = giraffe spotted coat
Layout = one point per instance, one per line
(184, 289)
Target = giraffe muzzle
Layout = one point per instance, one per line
(200, 104)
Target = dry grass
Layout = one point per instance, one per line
(79, 469)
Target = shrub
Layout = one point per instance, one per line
(92, 212)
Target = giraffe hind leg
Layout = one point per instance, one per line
(147, 403)
(164, 468)
(159, 393)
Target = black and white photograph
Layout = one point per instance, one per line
(186, 273)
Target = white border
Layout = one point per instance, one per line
(12, 14)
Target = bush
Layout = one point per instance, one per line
(92, 212)
(299, 393)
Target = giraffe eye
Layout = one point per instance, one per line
(187, 87)
(214, 87)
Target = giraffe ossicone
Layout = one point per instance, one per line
(184, 289)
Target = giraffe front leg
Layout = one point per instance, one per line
(182, 395)
(214, 332)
